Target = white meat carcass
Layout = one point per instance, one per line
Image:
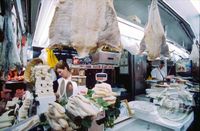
(85, 25)
(194, 54)
(154, 41)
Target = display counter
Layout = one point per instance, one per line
(152, 123)
(134, 124)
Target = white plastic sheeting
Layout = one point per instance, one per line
(46, 13)
(131, 36)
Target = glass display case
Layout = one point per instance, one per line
(174, 107)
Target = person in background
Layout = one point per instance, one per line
(149, 69)
(159, 72)
(62, 69)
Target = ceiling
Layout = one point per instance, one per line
(190, 11)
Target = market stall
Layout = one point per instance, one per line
(89, 67)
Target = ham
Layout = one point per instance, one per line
(154, 41)
(85, 25)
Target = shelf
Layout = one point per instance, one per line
(77, 76)
(13, 85)
(14, 82)
(93, 66)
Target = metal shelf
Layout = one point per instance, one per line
(15, 82)
(93, 66)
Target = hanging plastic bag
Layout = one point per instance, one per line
(48, 57)
(51, 58)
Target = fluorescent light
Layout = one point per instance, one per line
(196, 4)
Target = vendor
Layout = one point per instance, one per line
(149, 69)
(64, 89)
(159, 72)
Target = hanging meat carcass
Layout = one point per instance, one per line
(9, 58)
(85, 25)
(194, 56)
(154, 41)
(1, 34)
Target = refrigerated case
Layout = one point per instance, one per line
(131, 74)
(137, 72)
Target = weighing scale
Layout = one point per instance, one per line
(101, 77)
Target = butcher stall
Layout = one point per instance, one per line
(85, 65)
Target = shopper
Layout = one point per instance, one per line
(62, 69)
(159, 72)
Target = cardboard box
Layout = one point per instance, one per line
(103, 57)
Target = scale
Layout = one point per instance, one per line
(101, 77)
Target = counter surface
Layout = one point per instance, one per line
(155, 123)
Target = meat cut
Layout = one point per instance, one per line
(85, 25)
(154, 41)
